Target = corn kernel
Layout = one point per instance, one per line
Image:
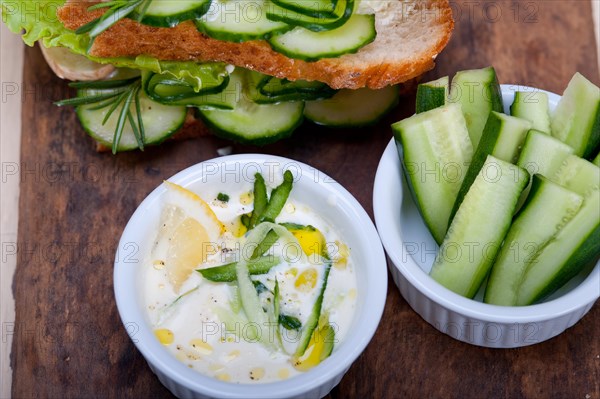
(238, 229)
(216, 367)
(201, 347)
(164, 336)
(341, 260)
(232, 355)
(257, 373)
(352, 293)
(291, 272)
(283, 373)
(311, 240)
(307, 280)
(246, 198)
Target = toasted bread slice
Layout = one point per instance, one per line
(410, 34)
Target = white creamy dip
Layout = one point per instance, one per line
(207, 327)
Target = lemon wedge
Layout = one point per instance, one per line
(187, 235)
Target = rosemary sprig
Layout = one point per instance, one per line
(117, 10)
(122, 95)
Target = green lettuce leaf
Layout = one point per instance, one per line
(37, 21)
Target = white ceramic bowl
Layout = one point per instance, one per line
(412, 250)
(312, 187)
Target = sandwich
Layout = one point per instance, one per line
(250, 70)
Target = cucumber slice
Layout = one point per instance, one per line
(341, 15)
(478, 93)
(576, 246)
(543, 154)
(239, 21)
(313, 319)
(432, 94)
(311, 8)
(533, 106)
(169, 13)
(548, 208)
(273, 87)
(435, 149)
(353, 108)
(502, 137)
(252, 123)
(474, 237)
(318, 349)
(263, 89)
(301, 43)
(160, 122)
(171, 91)
(576, 120)
(252, 306)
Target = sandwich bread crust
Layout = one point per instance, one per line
(410, 34)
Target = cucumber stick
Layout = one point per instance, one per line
(435, 149)
(478, 93)
(481, 223)
(576, 120)
(533, 106)
(548, 209)
(352, 108)
(502, 137)
(576, 245)
(304, 44)
(543, 154)
(432, 94)
(578, 175)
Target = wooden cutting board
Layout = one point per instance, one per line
(68, 339)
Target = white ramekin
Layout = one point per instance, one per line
(312, 187)
(412, 250)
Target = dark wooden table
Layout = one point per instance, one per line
(69, 341)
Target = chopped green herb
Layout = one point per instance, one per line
(260, 200)
(245, 220)
(279, 196)
(260, 287)
(223, 197)
(114, 94)
(226, 273)
(289, 322)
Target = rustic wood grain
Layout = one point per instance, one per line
(68, 339)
